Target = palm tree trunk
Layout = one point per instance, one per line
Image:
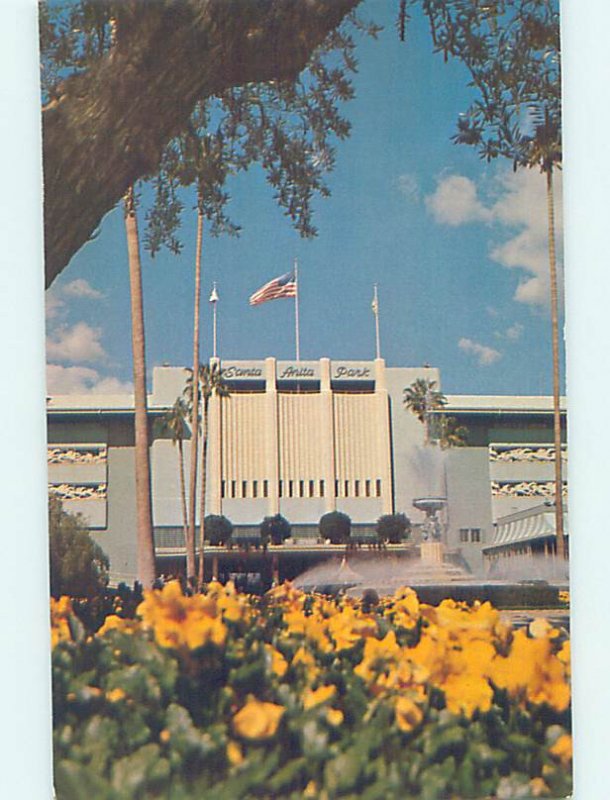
(204, 453)
(183, 490)
(145, 540)
(559, 532)
(190, 542)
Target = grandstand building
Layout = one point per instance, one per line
(304, 438)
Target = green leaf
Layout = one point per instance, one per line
(140, 773)
(74, 782)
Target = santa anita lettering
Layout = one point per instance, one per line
(298, 372)
(341, 373)
(231, 373)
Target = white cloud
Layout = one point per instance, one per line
(484, 355)
(455, 202)
(54, 305)
(517, 206)
(514, 332)
(409, 186)
(83, 380)
(79, 287)
(79, 343)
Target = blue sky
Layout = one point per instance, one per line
(457, 246)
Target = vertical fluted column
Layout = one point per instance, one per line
(385, 448)
(272, 455)
(328, 436)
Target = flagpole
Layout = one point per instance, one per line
(376, 313)
(296, 309)
(214, 301)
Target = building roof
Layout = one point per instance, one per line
(501, 404)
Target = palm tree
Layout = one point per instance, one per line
(449, 433)
(174, 423)
(422, 398)
(211, 383)
(145, 539)
(545, 153)
(194, 403)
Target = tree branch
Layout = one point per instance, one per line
(108, 126)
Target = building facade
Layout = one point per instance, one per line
(302, 439)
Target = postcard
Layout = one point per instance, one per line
(307, 421)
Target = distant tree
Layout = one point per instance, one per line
(275, 529)
(393, 528)
(448, 433)
(79, 567)
(335, 526)
(211, 384)
(218, 529)
(174, 424)
(422, 398)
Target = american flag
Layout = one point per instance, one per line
(284, 286)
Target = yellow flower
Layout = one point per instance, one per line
(541, 628)
(279, 665)
(562, 749)
(234, 753)
(257, 720)
(311, 790)
(114, 623)
(61, 611)
(334, 717)
(182, 622)
(315, 698)
(114, 695)
(305, 659)
(408, 714)
(538, 788)
(466, 693)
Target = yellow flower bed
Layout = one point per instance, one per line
(449, 694)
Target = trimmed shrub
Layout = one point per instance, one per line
(218, 529)
(335, 526)
(275, 529)
(393, 528)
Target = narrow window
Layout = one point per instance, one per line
(254, 488)
(311, 488)
(321, 488)
(233, 488)
(281, 492)
(223, 488)
(337, 489)
(265, 488)
(301, 488)
(463, 534)
(378, 488)
(367, 488)
(356, 488)
(290, 488)
(244, 488)
(475, 535)
(346, 488)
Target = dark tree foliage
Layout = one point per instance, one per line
(275, 529)
(218, 529)
(511, 49)
(393, 528)
(78, 566)
(190, 93)
(422, 398)
(335, 526)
